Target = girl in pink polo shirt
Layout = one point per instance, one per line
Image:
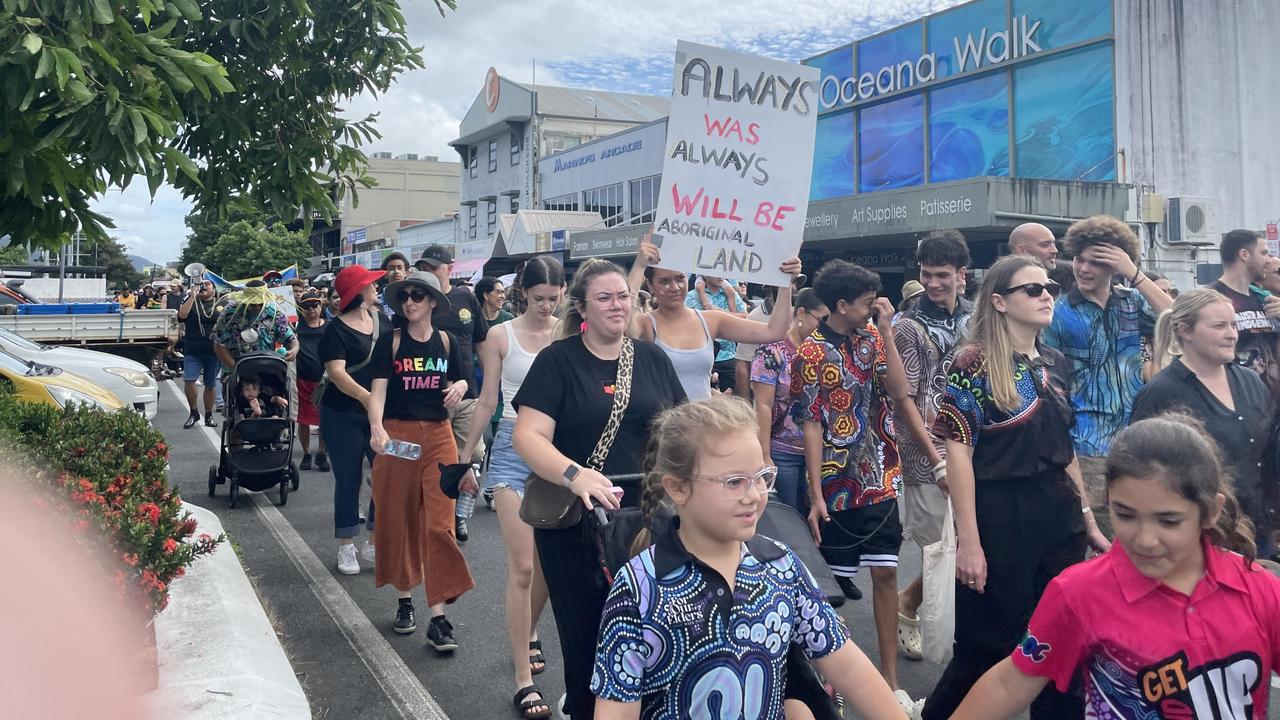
(1176, 621)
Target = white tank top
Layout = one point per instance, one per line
(514, 367)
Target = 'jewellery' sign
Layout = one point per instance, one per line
(984, 50)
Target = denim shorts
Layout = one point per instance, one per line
(506, 469)
(195, 365)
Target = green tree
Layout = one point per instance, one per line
(213, 96)
(246, 250)
(120, 271)
(14, 254)
(209, 226)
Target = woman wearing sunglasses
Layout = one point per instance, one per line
(416, 379)
(1015, 486)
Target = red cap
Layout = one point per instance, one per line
(351, 280)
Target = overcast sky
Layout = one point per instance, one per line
(607, 45)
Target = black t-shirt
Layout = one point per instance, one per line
(575, 388)
(1257, 347)
(417, 376)
(466, 324)
(309, 338)
(340, 342)
(197, 330)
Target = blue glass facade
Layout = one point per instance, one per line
(969, 129)
(982, 89)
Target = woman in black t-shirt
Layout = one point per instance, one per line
(562, 410)
(347, 351)
(417, 378)
(1013, 478)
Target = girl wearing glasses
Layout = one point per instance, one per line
(687, 335)
(700, 623)
(1021, 512)
(562, 410)
(416, 379)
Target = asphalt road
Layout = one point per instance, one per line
(336, 629)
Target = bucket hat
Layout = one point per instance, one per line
(351, 281)
(418, 279)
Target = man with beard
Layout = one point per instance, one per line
(1245, 259)
(198, 314)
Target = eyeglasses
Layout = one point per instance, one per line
(735, 486)
(1033, 289)
(816, 316)
(416, 295)
(607, 299)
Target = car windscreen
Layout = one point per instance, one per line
(17, 340)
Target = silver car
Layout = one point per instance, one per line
(129, 381)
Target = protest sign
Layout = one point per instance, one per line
(735, 178)
(284, 298)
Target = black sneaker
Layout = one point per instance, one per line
(405, 622)
(306, 462)
(208, 420)
(488, 498)
(322, 462)
(192, 419)
(460, 528)
(440, 635)
(850, 590)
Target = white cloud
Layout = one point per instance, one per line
(609, 44)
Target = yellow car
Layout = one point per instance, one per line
(38, 383)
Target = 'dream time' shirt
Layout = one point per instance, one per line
(1145, 650)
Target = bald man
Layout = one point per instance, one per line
(1036, 240)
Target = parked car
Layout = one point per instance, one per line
(130, 382)
(38, 383)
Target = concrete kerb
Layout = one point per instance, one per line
(219, 656)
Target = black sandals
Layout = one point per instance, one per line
(526, 707)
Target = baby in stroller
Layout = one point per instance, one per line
(259, 399)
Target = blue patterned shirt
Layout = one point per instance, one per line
(676, 639)
(1105, 350)
(728, 348)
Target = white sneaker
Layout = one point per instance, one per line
(367, 552)
(347, 562)
(912, 708)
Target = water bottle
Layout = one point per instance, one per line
(466, 504)
(403, 449)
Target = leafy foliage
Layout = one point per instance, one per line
(109, 480)
(208, 227)
(217, 97)
(120, 271)
(14, 254)
(246, 249)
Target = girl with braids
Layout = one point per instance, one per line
(1021, 511)
(1176, 620)
(506, 358)
(700, 623)
(562, 410)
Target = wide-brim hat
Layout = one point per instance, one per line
(419, 279)
(911, 289)
(351, 281)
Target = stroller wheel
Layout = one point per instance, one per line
(294, 478)
(284, 491)
(213, 480)
(235, 493)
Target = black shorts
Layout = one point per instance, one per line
(868, 536)
(727, 370)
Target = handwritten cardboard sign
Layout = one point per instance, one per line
(735, 179)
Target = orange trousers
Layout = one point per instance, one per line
(414, 533)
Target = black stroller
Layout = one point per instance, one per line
(256, 453)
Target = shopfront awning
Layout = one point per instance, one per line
(468, 267)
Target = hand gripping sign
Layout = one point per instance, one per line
(735, 179)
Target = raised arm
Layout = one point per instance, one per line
(647, 254)
(737, 328)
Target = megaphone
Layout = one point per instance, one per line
(194, 270)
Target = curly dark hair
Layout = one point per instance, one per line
(1102, 230)
(842, 280)
(943, 247)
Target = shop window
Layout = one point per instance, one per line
(644, 198)
(562, 202)
(491, 222)
(891, 144)
(473, 158)
(493, 154)
(471, 222)
(605, 200)
(969, 129)
(515, 148)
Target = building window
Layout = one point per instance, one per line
(472, 160)
(605, 200)
(563, 202)
(492, 220)
(515, 148)
(493, 154)
(515, 206)
(471, 222)
(644, 198)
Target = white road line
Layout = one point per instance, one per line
(395, 678)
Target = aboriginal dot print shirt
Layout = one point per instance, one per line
(839, 381)
(675, 638)
(1031, 441)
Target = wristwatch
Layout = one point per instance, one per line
(570, 473)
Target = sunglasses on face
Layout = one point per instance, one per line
(416, 295)
(1034, 289)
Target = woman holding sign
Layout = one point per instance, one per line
(688, 336)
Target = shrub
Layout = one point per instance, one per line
(107, 475)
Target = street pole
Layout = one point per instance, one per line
(62, 270)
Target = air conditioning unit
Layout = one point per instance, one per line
(1189, 221)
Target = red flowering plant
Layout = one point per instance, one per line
(107, 474)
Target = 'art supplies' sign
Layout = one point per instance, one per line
(735, 178)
